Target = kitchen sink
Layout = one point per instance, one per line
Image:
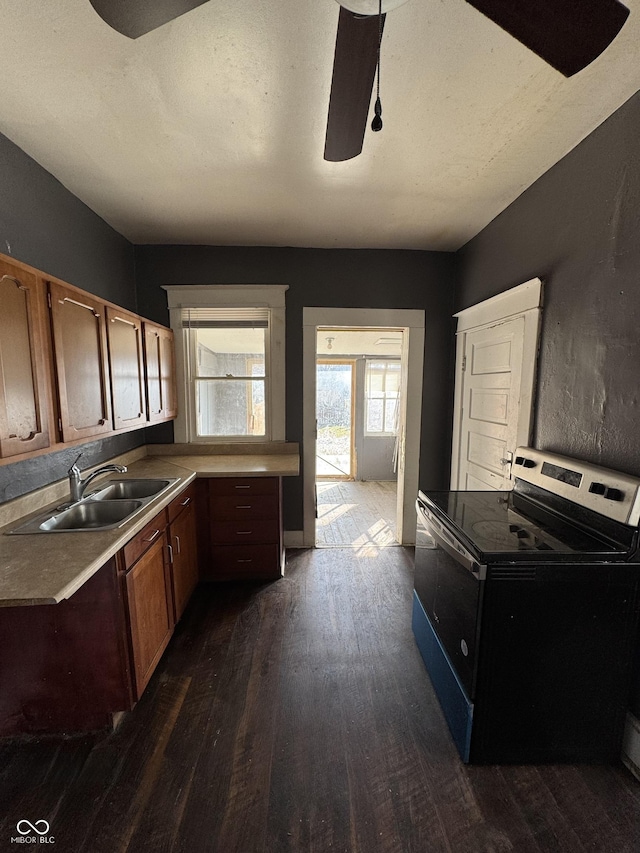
(110, 506)
(130, 489)
(90, 514)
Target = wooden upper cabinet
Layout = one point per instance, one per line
(80, 342)
(160, 373)
(124, 333)
(24, 397)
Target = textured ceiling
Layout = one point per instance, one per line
(211, 128)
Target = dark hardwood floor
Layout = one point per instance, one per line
(297, 716)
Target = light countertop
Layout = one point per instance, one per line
(47, 568)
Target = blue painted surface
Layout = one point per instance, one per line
(457, 708)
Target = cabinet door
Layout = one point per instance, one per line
(160, 373)
(182, 533)
(24, 400)
(124, 333)
(150, 611)
(79, 335)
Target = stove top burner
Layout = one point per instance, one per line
(507, 535)
(509, 523)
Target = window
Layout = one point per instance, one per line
(382, 392)
(231, 362)
(228, 349)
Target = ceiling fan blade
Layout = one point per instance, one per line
(354, 68)
(134, 18)
(567, 34)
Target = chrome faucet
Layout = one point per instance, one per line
(77, 485)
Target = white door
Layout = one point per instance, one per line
(491, 377)
(497, 347)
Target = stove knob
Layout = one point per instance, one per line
(614, 495)
(597, 488)
(526, 463)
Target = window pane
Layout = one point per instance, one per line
(393, 379)
(230, 352)
(374, 415)
(230, 407)
(376, 383)
(390, 416)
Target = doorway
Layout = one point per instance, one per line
(405, 442)
(358, 385)
(335, 402)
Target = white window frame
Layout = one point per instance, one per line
(378, 433)
(271, 296)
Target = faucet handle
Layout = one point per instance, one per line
(74, 468)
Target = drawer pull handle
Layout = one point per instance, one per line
(244, 561)
(245, 532)
(186, 502)
(152, 537)
(243, 506)
(242, 487)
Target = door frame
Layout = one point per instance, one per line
(352, 405)
(524, 300)
(412, 323)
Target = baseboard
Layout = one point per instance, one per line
(631, 745)
(294, 539)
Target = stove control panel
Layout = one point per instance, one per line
(611, 493)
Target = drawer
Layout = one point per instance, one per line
(243, 506)
(246, 561)
(243, 486)
(250, 531)
(181, 502)
(136, 547)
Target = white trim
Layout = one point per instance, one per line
(631, 745)
(412, 324)
(294, 539)
(516, 300)
(525, 300)
(271, 296)
(231, 295)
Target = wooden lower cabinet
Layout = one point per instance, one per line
(69, 667)
(184, 554)
(65, 667)
(150, 610)
(244, 520)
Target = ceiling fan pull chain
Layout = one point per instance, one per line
(376, 124)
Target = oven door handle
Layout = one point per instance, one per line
(448, 543)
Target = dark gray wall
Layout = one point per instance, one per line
(344, 278)
(578, 228)
(43, 224)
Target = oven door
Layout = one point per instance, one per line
(449, 582)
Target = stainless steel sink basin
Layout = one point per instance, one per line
(111, 506)
(130, 489)
(89, 515)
